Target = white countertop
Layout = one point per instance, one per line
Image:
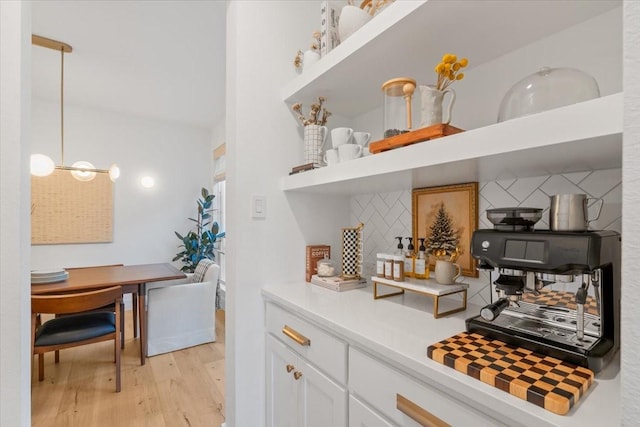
(399, 329)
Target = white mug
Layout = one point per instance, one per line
(340, 136)
(331, 157)
(447, 272)
(362, 138)
(349, 152)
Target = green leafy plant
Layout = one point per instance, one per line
(199, 243)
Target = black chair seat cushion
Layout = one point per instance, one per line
(75, 327)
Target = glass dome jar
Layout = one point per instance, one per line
(397, 106)
(547, 89)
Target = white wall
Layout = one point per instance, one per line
(263, 142)
(630, 338)
(177, 156)
(15, 309)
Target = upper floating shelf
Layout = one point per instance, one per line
(399, 42)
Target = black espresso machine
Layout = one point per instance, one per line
(558, 292)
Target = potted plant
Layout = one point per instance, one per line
(199, 243)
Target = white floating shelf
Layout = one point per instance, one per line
(578, 137)
(399, 42)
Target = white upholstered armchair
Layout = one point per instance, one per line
(181, 313)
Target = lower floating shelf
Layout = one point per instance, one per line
(427, 287)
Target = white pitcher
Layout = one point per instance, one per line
(432, 101)
(314, 139)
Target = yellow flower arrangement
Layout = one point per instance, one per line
(449, 70)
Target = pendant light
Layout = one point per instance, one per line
(42, 165)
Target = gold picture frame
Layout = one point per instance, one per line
(460, 202)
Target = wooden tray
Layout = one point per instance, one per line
(547, 382)
(424, 134)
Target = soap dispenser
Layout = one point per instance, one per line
(421, 267)
(409, 259)
(400, 250)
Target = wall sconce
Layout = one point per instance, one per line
(147, 182)
(42, 165)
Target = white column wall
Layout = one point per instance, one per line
(264, 141)
(15, 324)
(630, 339)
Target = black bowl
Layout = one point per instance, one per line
(514, 219)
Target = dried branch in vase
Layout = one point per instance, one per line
(318, 115)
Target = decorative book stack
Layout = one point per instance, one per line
(314, 254)
(337, 283)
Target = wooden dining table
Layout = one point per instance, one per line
(132, 278)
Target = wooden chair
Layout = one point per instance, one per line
(134, 297)
(79, 326)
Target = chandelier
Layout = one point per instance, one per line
(42, 165)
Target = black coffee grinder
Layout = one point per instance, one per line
(558, 292)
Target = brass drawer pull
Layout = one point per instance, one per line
(297, 375)
(290, 368)
(418, 414)
(296, 336)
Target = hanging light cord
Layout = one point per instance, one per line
(62, 106)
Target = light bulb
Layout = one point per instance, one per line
(114, 172)
(41, 165)
(147, 182)
(83, 175)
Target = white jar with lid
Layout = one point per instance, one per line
(380, 259)
(388, 266)
(398, 268)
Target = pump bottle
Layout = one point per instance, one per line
(409, 259)
(421, 269)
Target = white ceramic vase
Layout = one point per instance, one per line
(314, 138)
(431, 102)
(351, 19)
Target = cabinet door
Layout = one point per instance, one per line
(323, 403)
(282, 390)
(361, 416)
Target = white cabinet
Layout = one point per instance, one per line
(360, 415)
(299, 393)
(404, 400)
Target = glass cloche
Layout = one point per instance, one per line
(547, 89)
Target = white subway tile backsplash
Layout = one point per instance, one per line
(576, 177)
(522, 188)
(387, 215)
(599, 183)
(498, 196)
(558, 184)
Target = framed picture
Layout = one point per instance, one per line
(446, 218)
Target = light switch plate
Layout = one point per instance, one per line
(258, 206)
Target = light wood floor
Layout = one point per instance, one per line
(183, 388)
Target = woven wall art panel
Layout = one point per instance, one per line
(65, 210)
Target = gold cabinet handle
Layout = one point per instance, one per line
(418, 414)
(290, 368)
(297, 375)
(296, 336)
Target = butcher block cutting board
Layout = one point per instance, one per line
(545, 381)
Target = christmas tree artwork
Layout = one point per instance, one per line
(443, 239)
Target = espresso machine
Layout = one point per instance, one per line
(558, 293)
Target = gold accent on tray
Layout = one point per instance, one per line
(424, 287)
(413, 137)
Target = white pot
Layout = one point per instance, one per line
(351, 19)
